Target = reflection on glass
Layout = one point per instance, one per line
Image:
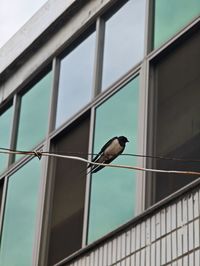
(124, 41)
(20, 216)
(177, 116)
(171, 16)
(33, 120)
(75, 84)
(5, 128)
(112, 199)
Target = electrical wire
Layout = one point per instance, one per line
(39, 154)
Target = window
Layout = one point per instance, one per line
(171, 16)
(34, 112)
(5, 134)
(112, 199)
(76, 76)
(124, 41)
(69, 192)
(19, 222)
(177, 131)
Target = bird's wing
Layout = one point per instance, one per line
(107, 144)
(102, 150)
(99, 167)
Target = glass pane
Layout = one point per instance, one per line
(75, 84)
(33, 121)
(20, 216)
(171, 16)
(112, 200)
(5, 130)
(69, 193)
(124, 41)
(177, 119)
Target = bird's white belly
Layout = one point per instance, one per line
(113, 149)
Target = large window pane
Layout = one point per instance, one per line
(124, 41)
(112, 200)
(171, 16)
(178, 121)
(5, 128)
(20, 216)
(33, 120)
(69, 193)
(75, 84)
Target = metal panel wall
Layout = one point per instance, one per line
(170, 236)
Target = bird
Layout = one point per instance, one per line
(111, 150)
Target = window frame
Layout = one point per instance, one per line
(155, 55)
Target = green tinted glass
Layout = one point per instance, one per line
(112, 200)
(5, 128)
(171, 16)
(20, 216)
(33, 120)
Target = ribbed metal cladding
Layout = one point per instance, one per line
(170, 237)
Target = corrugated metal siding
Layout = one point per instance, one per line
(168, 237)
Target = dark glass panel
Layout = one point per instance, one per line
(69, 193)
(178, 121)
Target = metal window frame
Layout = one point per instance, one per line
(152, 100)
(145, 79)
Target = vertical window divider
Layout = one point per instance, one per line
(54, 94)
(88, 180)
(15, 122)
(151, 125)
(3, 202)
(98, 62)
(43, 215)
(142, 135)
(149, 21)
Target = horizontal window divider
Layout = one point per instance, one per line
(99, 99)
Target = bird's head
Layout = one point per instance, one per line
(123, 139)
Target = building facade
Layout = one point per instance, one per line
(75, 75)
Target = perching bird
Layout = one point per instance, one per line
(109, 152)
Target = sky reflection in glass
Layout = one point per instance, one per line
(124, 41)
(75, 84)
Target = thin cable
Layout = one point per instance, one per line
(41, 153)
(120, 165)
(189, 160)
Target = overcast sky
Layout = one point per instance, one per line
(14, 14)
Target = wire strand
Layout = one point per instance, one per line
(39, 153)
